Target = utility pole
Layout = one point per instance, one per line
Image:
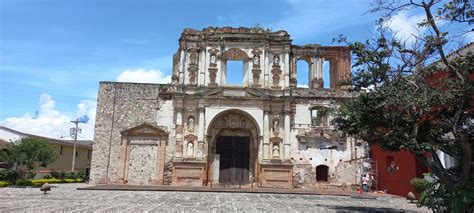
(73, 132)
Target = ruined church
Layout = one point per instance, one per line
(201, 130)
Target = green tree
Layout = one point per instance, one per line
(29, 154)
(420, 99)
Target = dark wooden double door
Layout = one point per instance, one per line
(234, 154)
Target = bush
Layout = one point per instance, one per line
(420, 184)
(4, 183)
(8, 175)
(47, 177)
(57, 174)
(40, 182)
(24, 183)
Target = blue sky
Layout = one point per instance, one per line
(53, 53)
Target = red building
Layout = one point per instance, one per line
(396, 169)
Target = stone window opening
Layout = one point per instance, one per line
(319, 116)
(235, 73)
(61, 150)
(303, 67)
(327, 83)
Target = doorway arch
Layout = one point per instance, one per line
(233, 140)
(322, 173)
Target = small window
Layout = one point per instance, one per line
(77, 154)
(89, 154)
(319, 117)
(61, 150)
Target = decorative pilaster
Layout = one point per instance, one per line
(179, 133)
(317, 81)
(286, 141)
(266, 136)
(200, 151)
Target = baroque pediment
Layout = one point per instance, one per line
(145, 129)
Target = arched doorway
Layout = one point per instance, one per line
(233, 147)
(322, 173)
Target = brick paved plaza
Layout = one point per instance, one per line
(66, 198)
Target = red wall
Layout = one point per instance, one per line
(408, 168)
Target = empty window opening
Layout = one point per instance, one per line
(326, 74)
(319, 116)
(235, 73)
(322, 173)
(302, 74)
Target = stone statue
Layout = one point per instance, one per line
(243, 124)
(276, 60)
(190, 149)
(223, 123)
(256, 60)
(276, 151)
(276, 125)
(213, 59)
(191, 124)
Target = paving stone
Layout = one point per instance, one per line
(66, 198)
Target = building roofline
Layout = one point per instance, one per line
(81, 143)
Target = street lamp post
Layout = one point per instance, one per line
(73, 132)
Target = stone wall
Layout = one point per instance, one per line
(122, 106)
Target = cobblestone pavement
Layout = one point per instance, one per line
(65, 197)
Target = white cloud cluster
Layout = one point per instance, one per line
(302, 86)
(50, 122)
(144, 76)
(405, 26)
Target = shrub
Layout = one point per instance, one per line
(420, 184)
(24, 183)
(4, 183)
(40, 182)
(8, 175)
(57, 174)
(47, 177)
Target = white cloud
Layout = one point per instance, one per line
(50, 122)
(405, 27)
(469, 37)
(302, 86)
(144, 76)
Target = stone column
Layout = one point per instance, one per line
(202, 71)
(286, 67)
(266, 70)
(182, 67)
(179, 134)
(286, 141)
(200, 145)
(266, 136)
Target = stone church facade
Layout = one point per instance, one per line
(200, 131)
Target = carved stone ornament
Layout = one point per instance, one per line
(212, 76)
(192, 69)
(235, 54)
(276, 60)
(276, 72)
(193, 57)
